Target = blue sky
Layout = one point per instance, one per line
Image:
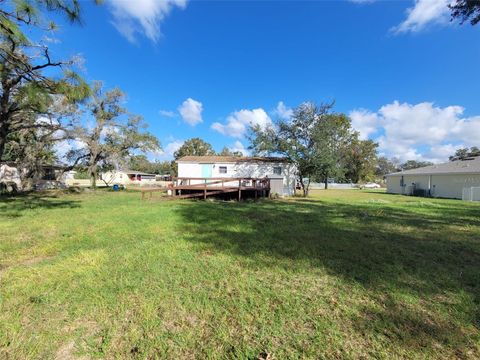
(405, 74)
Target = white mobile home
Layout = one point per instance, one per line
(458, 179)
(128, 177)
(47, 177)
(280, 172)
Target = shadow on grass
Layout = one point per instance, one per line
(14, 206)
(410, 249)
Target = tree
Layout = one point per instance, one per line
(413, 164)
(466, 10)
(360, 160)
(464, 153)
(386, 166)
(333, 137)
(111, 139)
(31, 81)
(295, 139)
(194, 147)
(227, 152)
(141, 163)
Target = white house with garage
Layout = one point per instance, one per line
(458, 179)
(282, 173)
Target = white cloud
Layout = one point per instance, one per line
(167, 113)
(238, 146)
(424, 13)
(64, 146)
(365, 122)
(141, 16)
(282, 111)
(418, 132)
(239, 122)
(191, 111)
(169, 150)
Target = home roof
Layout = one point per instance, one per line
(45, 166)
(136, 172)
(466, 166)
(230, 159)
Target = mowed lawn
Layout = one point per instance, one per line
(342, 274)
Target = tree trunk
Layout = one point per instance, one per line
(3, 137)
(303, 187)
(93, 177)
(326, 182)
(93, 180)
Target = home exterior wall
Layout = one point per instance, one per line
(440, 185)
(122, 178)
(10, 174)
(246, 170)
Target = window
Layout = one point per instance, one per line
(277, 170)
(222, 169)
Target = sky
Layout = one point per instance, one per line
(403, 72)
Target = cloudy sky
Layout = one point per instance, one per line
(404, 73)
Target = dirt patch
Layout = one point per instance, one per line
(65, 352)
(36, 260)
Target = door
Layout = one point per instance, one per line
(207, 170)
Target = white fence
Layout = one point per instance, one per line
(314, 186)
(471, 194)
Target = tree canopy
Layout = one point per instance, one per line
(114, 135)
(464, 153)
(321, 144)
(386, 166)
(466, 10)
(194, 147)
(414, 164)
(32, 82)
(227, 152)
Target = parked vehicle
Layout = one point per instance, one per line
(371, 185)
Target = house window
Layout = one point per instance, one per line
(222, 169)
(277, 170)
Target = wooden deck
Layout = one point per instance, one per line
(189, 187)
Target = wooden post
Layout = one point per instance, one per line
(239, 189)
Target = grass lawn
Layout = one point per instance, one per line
(342, 274)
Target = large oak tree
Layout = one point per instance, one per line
(31, 80)
(109, 134)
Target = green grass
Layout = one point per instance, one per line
(343, 274)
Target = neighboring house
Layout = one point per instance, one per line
(128, 177)
(458, 179)
(50, 177)
(281, 173)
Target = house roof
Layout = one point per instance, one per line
(230, 159)
(136, 172)
(45, 166)
(466, 166)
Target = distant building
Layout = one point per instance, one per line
(128, 177)
(50, 177)
(458, 179)
(281, 172)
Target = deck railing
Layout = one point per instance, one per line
(229, 182)
(220, 185)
